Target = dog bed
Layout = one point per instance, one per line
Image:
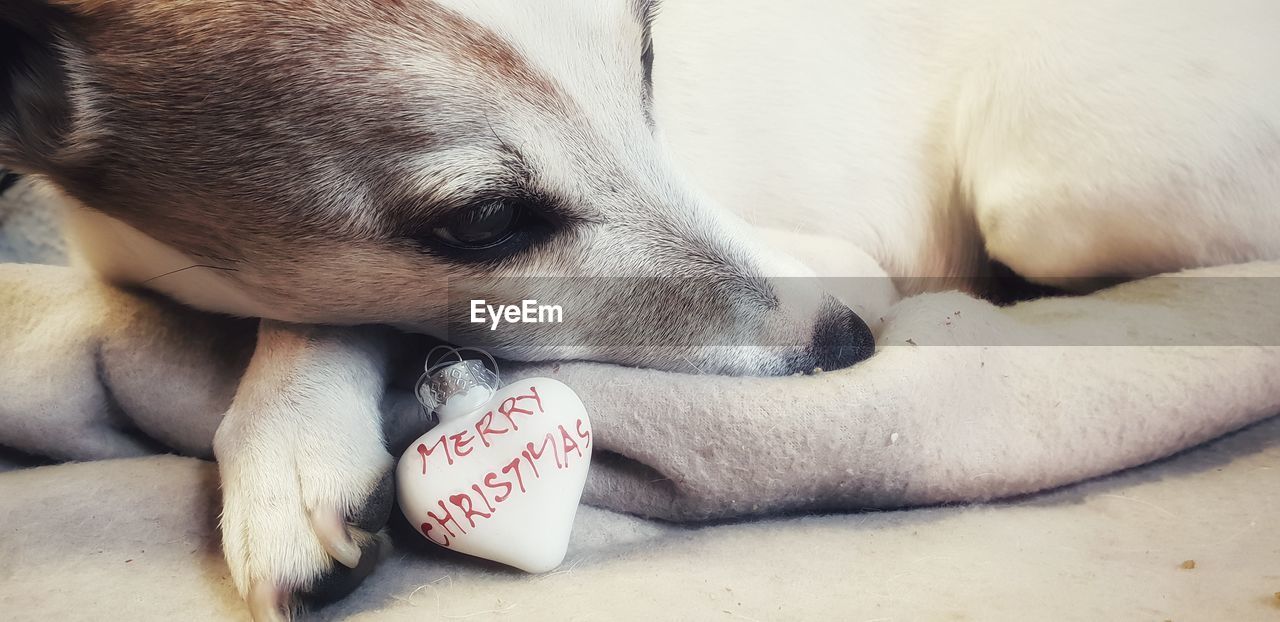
(964, 402)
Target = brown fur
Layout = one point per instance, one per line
(202, 121)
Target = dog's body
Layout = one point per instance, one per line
(1067, 140)
(1074, 142)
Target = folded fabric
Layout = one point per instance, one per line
(963, 401)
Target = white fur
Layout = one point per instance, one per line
(303, 436)
(1069, 139)
(122, 254)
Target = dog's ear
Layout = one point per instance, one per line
(34, 108)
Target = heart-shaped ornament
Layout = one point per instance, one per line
(502, 474)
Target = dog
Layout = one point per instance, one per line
(335, 166)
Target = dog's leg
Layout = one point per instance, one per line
(91, 371)
(1078, 172)
(305, 477)
(98, 370)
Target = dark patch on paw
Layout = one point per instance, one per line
(366, 524)
(374, 513)
(1006, 287)
(340, 581)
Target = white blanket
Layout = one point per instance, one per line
(134, 540)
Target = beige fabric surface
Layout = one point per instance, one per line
(134, 539)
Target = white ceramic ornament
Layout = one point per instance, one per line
(501, 476)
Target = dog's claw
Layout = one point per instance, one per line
(331, 530)
(266, 603)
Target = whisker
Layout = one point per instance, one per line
(172, 272)
(214, 257)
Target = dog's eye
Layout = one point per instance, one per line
(483, 226)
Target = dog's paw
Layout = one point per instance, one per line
(304, 498)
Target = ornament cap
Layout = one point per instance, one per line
(451, 388)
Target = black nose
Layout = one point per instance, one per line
(840, 340)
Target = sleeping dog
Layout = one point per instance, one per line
(331, 165)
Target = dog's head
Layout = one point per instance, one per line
(370, 161)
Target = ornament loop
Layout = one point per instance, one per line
(452, 373)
